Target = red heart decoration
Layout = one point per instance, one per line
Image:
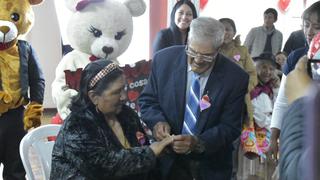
(283, 5)
(73, 78)
(203, 3)
(133, 95)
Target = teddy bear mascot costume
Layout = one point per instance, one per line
(97, 29)
(21, 84)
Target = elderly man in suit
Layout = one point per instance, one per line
(197, 94)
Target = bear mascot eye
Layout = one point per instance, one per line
(96, 32)
(119, 35)
(15, 17)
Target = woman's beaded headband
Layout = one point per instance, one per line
(105, 71)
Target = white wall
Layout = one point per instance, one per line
(46, 40)
(63, 15)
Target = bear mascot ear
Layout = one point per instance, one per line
(35, 2)
(136, 7)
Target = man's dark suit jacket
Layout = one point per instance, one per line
(163, 99)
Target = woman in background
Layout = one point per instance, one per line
(181, 16)
(233, 49)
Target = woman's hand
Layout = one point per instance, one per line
(161, 130)
(298, 81)
(275, 81)
(158, 146)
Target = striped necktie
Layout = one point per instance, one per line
(192, 110)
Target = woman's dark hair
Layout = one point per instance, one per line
(81, 100)
(314, 8)
(177, 5)
(231, 22)
(272, 11)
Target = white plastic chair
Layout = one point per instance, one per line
(38, 140)
(1, 170)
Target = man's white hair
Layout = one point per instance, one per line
(204, 29)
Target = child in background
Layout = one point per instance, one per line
(280, 58)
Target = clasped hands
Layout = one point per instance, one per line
(181, 144)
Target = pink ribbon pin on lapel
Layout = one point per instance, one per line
(237, 57)
(205, 102)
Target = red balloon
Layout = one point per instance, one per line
(203, 4)
(283, 5)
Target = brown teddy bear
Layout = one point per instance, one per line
(21, 83)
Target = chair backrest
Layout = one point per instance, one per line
(38, 140)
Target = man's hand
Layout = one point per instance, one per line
(184, 144)
(298, 81)
(161, 130)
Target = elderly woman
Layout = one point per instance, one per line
(233, 49)
(102, 138)
(182, 14)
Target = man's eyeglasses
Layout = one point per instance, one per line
(191, 53)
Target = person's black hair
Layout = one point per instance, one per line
(314, 8)
(272, 11)
(231, 22)
(266, 57)
(177, 5)
(81, 100)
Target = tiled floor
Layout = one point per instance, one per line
(258, 169)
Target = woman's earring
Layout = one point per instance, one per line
(97, 109)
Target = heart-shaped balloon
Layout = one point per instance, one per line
(203, 3)
(283, 5)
